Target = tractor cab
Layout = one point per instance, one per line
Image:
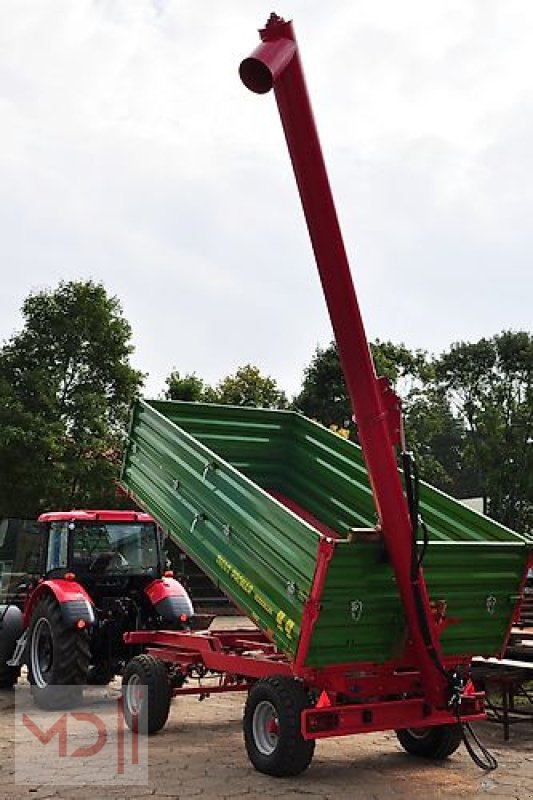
(97, 547)
(102, 574)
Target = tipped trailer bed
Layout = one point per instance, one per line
(278, 512)
(370, 593)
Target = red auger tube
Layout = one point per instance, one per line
(276, 64)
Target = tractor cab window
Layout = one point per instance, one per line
(57, 546)
(114, 547)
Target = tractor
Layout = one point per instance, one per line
(102, 573)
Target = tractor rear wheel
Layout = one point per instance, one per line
(272, 727)
(58, 659)
(146, 694)
(437, 742)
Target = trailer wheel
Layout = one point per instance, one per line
(437, 742)
(272, 732)
(58, 659)
(146, 694)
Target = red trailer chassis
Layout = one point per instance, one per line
(349, 698)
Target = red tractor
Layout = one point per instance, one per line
(102, 573)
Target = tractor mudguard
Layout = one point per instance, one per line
(11, 627)
(169, 599)
(73, 600)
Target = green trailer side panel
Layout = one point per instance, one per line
(362, 617)
(480, 584)
(471, 558)
(328, 476)
(260, 554)
(255, 442)
(205, 473)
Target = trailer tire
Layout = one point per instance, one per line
(146, 711)
(58, 658)
(272, 727)
(437, 742)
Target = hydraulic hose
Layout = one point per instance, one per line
(483, 758)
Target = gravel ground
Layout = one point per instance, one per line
(200, 753)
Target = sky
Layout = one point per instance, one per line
(131, 154)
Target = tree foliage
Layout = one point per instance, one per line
(246, 387)
(188, 387)
(468, 415)
(489, 385)
(436, 438)
(324, 394)
(66, 384)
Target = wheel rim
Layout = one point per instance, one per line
(133, 695)
(42, 652)
(418, 733)
(265, 728)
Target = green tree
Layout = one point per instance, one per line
(66, 384)
(432, 432)
(489, 385)
(324, 395)
(437, 439)
(248, 387)
(188, 387)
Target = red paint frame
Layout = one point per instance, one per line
(349, 719)
(239, 658)
(311, 611)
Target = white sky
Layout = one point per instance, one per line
(130, 153)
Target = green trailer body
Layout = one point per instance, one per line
(249, 493)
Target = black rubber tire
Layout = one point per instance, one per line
(436, 743)
(11, 627)
(61, 685)
(152, 712)
(291, 754)
(100, 675)
(8, 676)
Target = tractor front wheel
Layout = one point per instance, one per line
(146, 694)
(58, 659)
(272, 727)
(437, 742)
